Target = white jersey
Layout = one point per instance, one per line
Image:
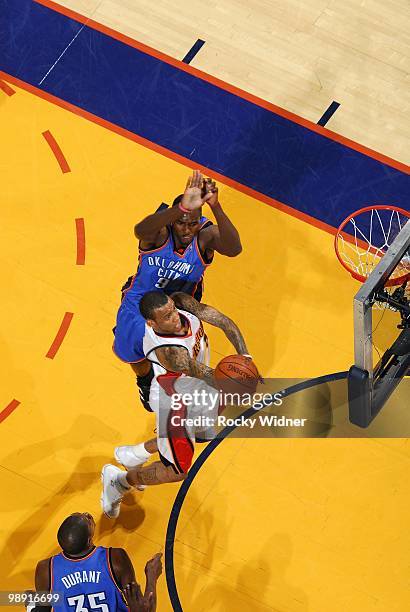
(194, 341)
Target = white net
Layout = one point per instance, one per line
(365, 238)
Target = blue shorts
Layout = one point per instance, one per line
(129, 333)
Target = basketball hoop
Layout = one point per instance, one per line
(363, 238)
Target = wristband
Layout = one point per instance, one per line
(184, 210)
(246, 355)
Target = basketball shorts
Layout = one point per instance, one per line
(183, 417)
(129, 333)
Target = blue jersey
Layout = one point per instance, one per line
(167, 269)
(87, 584)
(163, 268)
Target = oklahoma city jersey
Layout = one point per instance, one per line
(163, 269)
(167, 269)
(86, 583)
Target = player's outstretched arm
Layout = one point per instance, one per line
(152, 229)
(211, 315)
(153, 571)
(224, 237)
(125, 575)
(177, 359)
(137, 602)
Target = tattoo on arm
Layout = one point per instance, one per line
(177, 359)
(211, 315)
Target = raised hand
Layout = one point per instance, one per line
(210, 192)
(153, 568)
(194, 196)
(136, 601)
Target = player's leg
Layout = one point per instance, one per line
(117, 483)
(175, 447)
(128, 346)
(145, 374)
(153, 474)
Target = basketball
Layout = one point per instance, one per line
(237, 374)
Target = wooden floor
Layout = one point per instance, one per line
(298, 54)
(287, 525)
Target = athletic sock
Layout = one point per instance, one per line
(122, 483)
(141, 453)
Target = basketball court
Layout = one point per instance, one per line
(101, 121)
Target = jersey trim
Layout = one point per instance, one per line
(176, 252)
(169, 386)
(75, 559)
(187, 335)
(202, 256)
(148, 251)
(168, 463)
(199, 287)
(50, 574)
(182, 447)
(123, 360)
(163, 346)
(124, 292)
(112, 574)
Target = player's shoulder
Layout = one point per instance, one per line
(192, 318)
(206, 235)
(118, 551)
(44, 564)
(119, 560)
(207, 229)
(205, 223)
(157, 242)
(117, 555)
(43, 574)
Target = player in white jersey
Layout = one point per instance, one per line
(183, 394)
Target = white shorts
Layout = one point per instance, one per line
(186, 411)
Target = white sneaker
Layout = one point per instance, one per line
(127, 457)
(111, 497)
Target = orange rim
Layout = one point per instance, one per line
(353, 240)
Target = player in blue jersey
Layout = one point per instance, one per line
(93, 577)
(176, 246)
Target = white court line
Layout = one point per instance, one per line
(69, 45)
(61, 55)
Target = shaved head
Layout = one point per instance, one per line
(75, 533)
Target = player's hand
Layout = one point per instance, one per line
(153, 568)
(249, 357)
(210, 189)
(192, 199)
(136, 601)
